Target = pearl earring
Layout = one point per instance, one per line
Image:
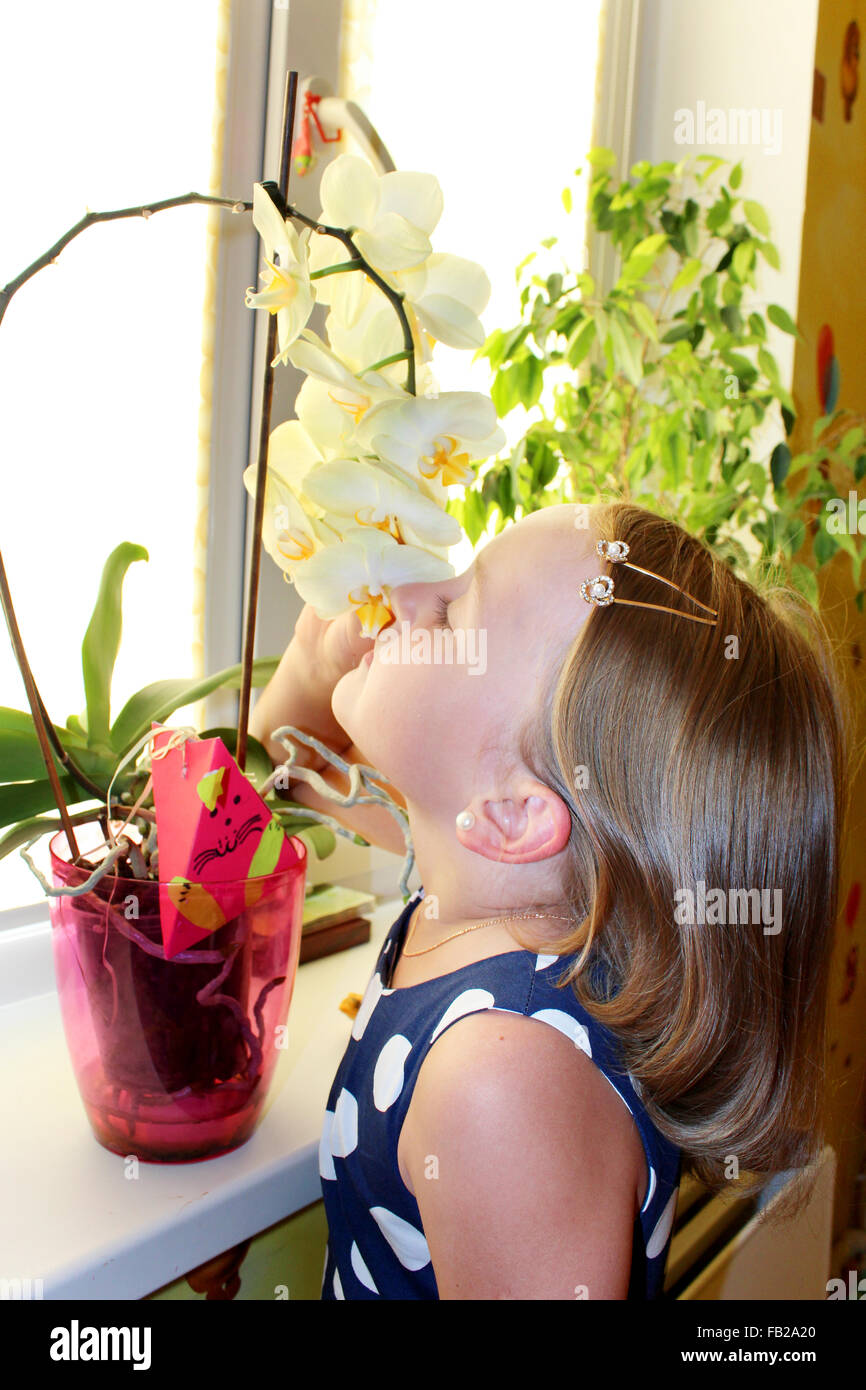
(465, 820)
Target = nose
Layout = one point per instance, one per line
(405, 601)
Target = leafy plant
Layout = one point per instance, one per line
(661, 385)
(90, 748)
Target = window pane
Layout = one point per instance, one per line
(496, 98)
(100, 353)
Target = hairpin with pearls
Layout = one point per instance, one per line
(600, 590)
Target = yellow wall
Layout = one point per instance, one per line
(833, 293)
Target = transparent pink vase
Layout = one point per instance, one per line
(173, 1058)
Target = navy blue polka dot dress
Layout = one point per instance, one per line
(376, 1245)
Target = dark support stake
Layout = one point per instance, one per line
(262, 463)
(35, 709)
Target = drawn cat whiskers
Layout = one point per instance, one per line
(242, 833)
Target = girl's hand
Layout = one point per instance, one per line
(320, 653)
(329, 647)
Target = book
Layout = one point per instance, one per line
(337, 937)
(329, 904)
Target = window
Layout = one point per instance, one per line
(498, 101)
(100, 354)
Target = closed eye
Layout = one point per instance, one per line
(442, 612)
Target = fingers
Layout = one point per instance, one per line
(351, 644)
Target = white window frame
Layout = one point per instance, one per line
(270, 40)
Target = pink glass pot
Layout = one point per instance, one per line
(173, 1058)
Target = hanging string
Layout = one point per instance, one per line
(178, 738)
(116, 844)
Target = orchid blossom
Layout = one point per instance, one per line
(289, 293)
(394, 215)
(373, 497)
(294, 525)
(357, 485)
(360, 574)
(289, 532)
(434, 440)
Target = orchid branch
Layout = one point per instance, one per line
(90, 218)
(362, 789)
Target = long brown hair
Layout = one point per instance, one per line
(688, 758)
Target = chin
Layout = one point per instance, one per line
(344, 699)
(365, 721)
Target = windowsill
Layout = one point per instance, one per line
(71, 1215)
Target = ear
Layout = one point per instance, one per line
(529, 826)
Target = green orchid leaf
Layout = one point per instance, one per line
(20, 755)
(102, 640)
(154, 703)
(19, 801)
(21, 721)
(27, 830)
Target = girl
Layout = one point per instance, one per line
(596, 815)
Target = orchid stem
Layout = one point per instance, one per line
(45, 731)
(394, 297)
(335, 269)
(385, 362)
(90, 218)
(289, 99)
(35, 710)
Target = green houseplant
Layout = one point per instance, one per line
(659, 389)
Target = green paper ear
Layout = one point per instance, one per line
(210, 788)
(264, 861)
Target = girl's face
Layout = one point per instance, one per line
(437, 713)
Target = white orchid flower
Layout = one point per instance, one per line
(290, 533)
(373, 496)
(360, 572)
(292, 454)
(347, 391)
(434, 440)
(376, 334)
(289, 293)
(448, 294)
(391, 217)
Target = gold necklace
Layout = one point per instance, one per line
(514, 916)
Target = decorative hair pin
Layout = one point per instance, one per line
(600, 589)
